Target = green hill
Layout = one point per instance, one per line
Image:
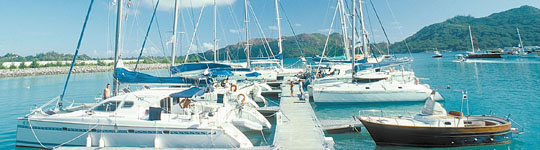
(497, 30)
(312, 44)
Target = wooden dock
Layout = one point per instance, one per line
(297, 126)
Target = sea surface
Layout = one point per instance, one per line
(501, 87)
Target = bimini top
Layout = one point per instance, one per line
(189, 93)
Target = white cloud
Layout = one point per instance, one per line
(168, 5)
(273, 27)
(324, 30)
(208, 46)
(193, 47)
(297, 24)
(235, 30)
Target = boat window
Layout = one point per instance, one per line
(447, 123)
(367, 87)
(360, 80)
(400, 87)
(467, 122)
(165, 105)
(176, 100)
(127, 104)
(108, 106)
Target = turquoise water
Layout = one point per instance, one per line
(503, 87)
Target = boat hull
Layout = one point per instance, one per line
(48, 134)
(393, 135)
(486, 55)
(338, 95)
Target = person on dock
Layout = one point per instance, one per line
(107, 92)
(292, 85)
(301, 87)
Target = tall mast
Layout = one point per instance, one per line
(246, 21)
(344, 29)
(365, 46)
(279, 34)
(472, 43)
(173, 53)
(215, 42)
(117, 46)
(520, 42)
(354, 37)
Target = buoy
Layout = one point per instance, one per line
(475, 139)
(88, 141)
(101, 142)
(491, 139)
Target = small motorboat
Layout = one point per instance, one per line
(433, 127)
(461, 58)
(437, 54)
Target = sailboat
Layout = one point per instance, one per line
(474, 54)
(377, 84)
(521, 53)
(158, 117)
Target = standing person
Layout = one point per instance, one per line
(301, 86)
(292, 85)
(107, 92)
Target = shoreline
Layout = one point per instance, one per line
(7, 73)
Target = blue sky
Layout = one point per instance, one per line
(28, 26)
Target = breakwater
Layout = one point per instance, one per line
(4, 73)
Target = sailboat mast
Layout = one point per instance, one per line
(246, 21)
(279, 34)
(215, 42)
(175, 28)
(344, 29)
(520, 42)
(353, 37)
(117, 46)
(472, 43)
(365, 47)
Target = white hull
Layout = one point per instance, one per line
(358, 93)
(52, 134)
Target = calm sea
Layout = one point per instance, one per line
(500, 87)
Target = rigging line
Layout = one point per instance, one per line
(76, 53)
(160, 37)
(373, 36)
(328, 37)
(294, 33)
(400, 32)
(380, 23)
(260, 29)
(193, 36)
(146, 36)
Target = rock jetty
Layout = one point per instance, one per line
(4, 73)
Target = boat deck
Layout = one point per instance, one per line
(297, 126)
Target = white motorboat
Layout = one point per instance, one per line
(434, 127)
